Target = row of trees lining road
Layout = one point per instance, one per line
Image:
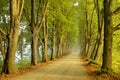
(100, 23)
(36, 31)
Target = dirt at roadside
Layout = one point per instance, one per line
(25, 70)
(93, 70)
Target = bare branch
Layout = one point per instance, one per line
(41, 41)
(21, 9)
(26, 15)
(117, 11)
(116, 27)
(18, 5)
(45, 11)
(3, 32)
(38, 12)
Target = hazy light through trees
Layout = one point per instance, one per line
(76, 4)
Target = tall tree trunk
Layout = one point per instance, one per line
(100, 41)
(60, 47)
(36, 25)
(15, 16)
(21, 49)
(34, 46)
(94, 49)
(45, 28)
(107, 51)
(100, 29)
(90, 35)
(99, 48)
(65, 48)
(35, 33)
(87, 29)
(53, 41)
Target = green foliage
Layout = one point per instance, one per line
(66, 19)
(106, 70)
(70, 25)
(116, 62)
(23, 63)
(116, 50)
(1, 65)
(98, 72)
(91, 61)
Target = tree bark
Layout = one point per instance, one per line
(94, 49)
(45, 29)
(35, 36)
(34, 46)
(36, 25)
(100, 39)
(99, 49)
(107, 51)
(90, 35)
(87, 30)
(15, 16)
(60, 47)
(53, 41)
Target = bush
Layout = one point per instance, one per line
(1, 65)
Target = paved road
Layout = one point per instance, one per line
(68, 68)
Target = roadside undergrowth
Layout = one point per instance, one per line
(96, 73)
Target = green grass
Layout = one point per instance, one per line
(23, 63)
(116, 62)
(1, 65)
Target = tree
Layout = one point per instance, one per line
(38, 11)
(108, 31)
(35, 33)
(45, 39)
(53, 40)
(97, 51)
(4, 23)
(16, 8)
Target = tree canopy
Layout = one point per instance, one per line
(35, 31)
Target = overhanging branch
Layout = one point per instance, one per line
(21, 9)
(3, 32)
(26, 15)
(39, 24)
(117, 27)
(117, 11)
